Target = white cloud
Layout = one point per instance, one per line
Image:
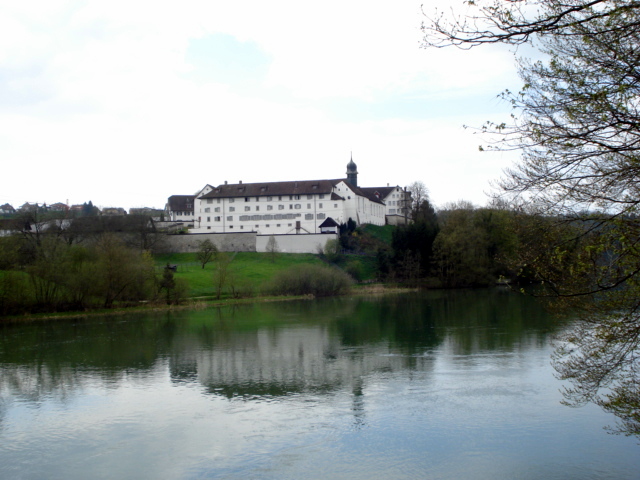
(101, 106)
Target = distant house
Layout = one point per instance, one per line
(179, 208)
(28, 207)
(59, 207)
(7, 209)
(10, 226)
(112, 211)
(397, 202)
(28, 225)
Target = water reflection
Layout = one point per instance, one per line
(340, 388)
(267, 349)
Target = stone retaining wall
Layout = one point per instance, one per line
(246, 242)
(226, 242)
(306, 243)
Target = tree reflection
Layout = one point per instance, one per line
(600, 357)
(266, 350)
(357, 404)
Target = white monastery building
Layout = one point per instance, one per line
(296, 207)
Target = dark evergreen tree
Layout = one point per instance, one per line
(416, 240)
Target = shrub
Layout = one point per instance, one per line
(242, 289)
(356, 270)
(332, 250)
(174, 290)
(310, 279)
(14, 293)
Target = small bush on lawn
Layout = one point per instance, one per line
(317, 280)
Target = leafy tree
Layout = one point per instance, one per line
(56, 275)
(223, 275)
(356, 270)
(174, 289)
(14, 297)
(143, 233)
(413, 243)
(418, 197)
(461, 256)
(89, 210)
(272, 248)
(576, 121)
(9, 251)
(332, 250)
(408, 267)
(347, 231)
(475, 245)
(384, 262)
(167, 283)
(122, 273)
(47, 272)
(79, 275)
(207, 252)
(137, 231)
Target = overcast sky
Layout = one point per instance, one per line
(125, 103)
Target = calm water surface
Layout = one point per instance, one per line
(444, 385)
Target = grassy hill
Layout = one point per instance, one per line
(252, 270)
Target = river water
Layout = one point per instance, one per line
(439, 385)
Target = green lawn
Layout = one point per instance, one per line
(249, 268)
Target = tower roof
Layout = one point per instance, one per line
(351, 166)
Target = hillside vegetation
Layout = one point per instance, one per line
(56, 271)
(249, 269)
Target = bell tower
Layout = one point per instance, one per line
(352, 172)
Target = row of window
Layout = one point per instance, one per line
(257, 226)
(292, 206)
(283, 216)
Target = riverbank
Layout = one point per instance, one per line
(198, 303)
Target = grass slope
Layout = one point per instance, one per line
(254, 269)
(383, 234)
